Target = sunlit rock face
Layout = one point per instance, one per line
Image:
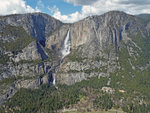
(95, 42)
(55, 41)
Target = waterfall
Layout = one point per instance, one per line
(65, 51)
(66, 48)
(54, 80)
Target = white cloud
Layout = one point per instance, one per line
(86, 11)
(89, 7)
(64, 18)
(39, 5)
(128, 6)
(90, 2)
(15, 6)
(81, 2)
(98, 7)
(53, 9)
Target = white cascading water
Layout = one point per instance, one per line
(66, 49)
(54, 81)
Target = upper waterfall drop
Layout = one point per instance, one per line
(66, 48)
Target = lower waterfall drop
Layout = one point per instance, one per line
(66, 48)
(54, 81)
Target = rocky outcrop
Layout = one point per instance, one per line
(29, 53)
(30, 84)
(29, 69)
(26, 75)
(7, 93)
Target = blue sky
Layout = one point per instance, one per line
(64, 7)
(69, 11)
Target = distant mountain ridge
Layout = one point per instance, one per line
(38, 25)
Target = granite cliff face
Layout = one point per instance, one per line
(95, 45)
(33, 46)
(17, 42)
(37, 25)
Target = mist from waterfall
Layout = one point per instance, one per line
(66, 48)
